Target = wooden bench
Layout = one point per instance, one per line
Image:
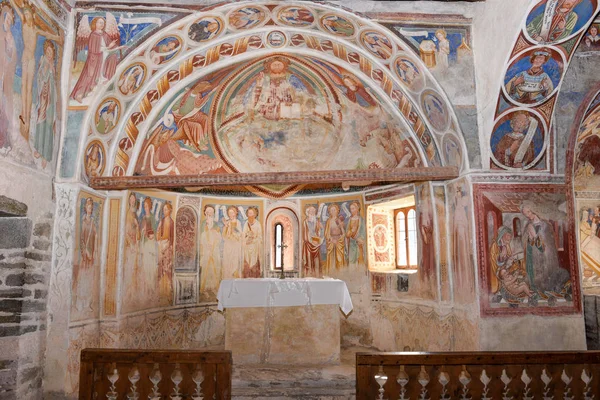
(509, 375)
(155, 374)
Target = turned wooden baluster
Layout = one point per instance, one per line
(464, 378)
(547, 379)
(155, 377)
(506, 380)
(444, 379)
(485, 379)
(586, 390)
(198, 378)
(402, 380)
(423, 379)
(176, 378)
(567, 380)
(113, 377)
(526, 380)
(134, 377)
(381, 378)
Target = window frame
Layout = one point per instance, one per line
(405, 211)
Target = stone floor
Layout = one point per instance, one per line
(308, 382)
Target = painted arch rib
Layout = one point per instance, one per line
(361, 53)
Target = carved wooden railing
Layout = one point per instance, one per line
(486, 376)
(155, 374)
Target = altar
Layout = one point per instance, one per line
(289, 321)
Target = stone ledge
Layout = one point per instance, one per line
(12, 208)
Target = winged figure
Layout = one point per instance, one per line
(101, 39)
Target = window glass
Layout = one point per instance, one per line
(401, 256)
(278, 243)
(412, 237)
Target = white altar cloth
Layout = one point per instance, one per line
(274, 292)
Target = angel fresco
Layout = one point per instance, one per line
(31, 29)
(101, 37)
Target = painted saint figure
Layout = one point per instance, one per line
(252, 245)
(30, 33)
(312, 239)
(149, 276)
(46, 106)
(555, 23)
(210, 254)
(8, 66)
(203, 30)
(443, 50)
(274, 94)
(355, 233)
(543, 268)
(232, 244)
(335, 240)
(461, 240)
(592, 39)
(534, 84)
(100, 63)
(508, 278)
(165, 235)
(515, 149)
(85, 276)
(130, 252)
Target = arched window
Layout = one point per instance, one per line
(282, 230)
(278, 243)
(405, 221)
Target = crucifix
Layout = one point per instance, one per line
(282, 246)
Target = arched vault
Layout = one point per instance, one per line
(266, 87)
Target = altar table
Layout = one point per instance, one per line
(283, 321)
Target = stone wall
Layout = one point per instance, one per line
(25, 255)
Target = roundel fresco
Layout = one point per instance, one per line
(306, 83)
(534, 71)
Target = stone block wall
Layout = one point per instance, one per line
(25, 259)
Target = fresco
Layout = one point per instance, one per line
(461, 241)
(445, 51)
(526, 241)
(518, 140)
(247, 17)
(334, 236)
(586, 160)
(305, 111)
(103, 40)
(427, 276)
(535, 69)
(231, 242)
(380, 228)
(85, 285)
(295, 16)
(31, 45)
(534, 75)
(341, 89)
(591, 40)
(186, 243)
(148, 251)
(589, 239)
(556, 20)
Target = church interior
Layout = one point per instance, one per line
(295, 182)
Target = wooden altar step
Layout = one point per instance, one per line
(334, 382)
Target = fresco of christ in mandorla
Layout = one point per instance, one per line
(276, 113)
